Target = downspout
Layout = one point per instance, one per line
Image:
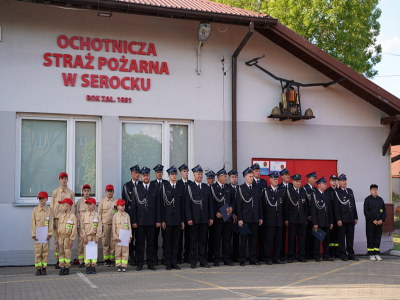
(234, 93)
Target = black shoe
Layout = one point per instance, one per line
(61, 271)
(325, 259)
(66, 271)
(38, 272)
(176, 267)
(331, 258)
(317, 259)
(345, 259)
(193, 266)
(290, 261)
(44, 271)
(216, 264)
(139, 268)
(302, 260)
(269, 262)
(354, 258)
(88, 270)
(163, 260)
(123, 269)
(119, 269)
(207, 266)
(107, 262)
(81, 265)
(255, 263)
(279, 262)
(242, 264)
(229, 263)
(112, 263)
(153, 268)
(94, 270)
(168, 268)
(57, 266)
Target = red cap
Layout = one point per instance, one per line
(109, 187)
(90, 200)
(86, 186)
(62, 174)
(66, 200)
(43, 195)
(121, 202)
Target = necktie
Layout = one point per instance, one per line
(173, 186)
(199, 186)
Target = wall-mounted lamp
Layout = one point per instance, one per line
(104, 14)
(202, 36)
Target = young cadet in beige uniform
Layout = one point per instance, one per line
(66, 235)
(106, 211)
(80, 209)
(91, 229)
(121, 221)
(60, 194)
(42, 216)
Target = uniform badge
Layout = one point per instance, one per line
(126, 226)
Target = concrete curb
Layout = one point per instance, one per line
(394, 252)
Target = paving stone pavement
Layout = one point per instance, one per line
(331, 280)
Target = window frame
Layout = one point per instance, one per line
(69, 153)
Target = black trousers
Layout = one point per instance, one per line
(346, 240)
(210, 243)
(156, 236)
(222, 230)
(250, 241)
(325, 244)
(180, 249)
(145, 235)
(198, 233)
(283, 241)
(132, 247)
(309, 240)
(261, 243)
(187, 240)
(374, 235)
(273, 236)
(171, 236)
(235, 245)
(333, 239)
(300, 231)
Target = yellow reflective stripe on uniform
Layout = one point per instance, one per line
(376, 249)
(56, 253)
(94, 260)
(332, 245)
(336, 245)
(370, 249)
(87, 261)
(118, 261)
(124, 261)
(38, 264)
(62, 259)
(112, 257)
(106, 256)
(44, 264)
(67, 260)
(81, 256)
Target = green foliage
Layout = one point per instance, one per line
(346, 29)
(395, 198)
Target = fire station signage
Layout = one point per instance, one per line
(131, 64)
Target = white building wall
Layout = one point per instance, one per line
(346, 128)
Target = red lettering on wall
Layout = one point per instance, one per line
(69, 79)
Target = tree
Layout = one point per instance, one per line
(346, 29)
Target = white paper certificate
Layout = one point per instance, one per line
(91, 250)
(124, 236)
(41, 234)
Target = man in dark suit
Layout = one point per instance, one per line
(200, 214)
(222, 195)
(333, 233)
(172, 213)
(159, 181)
(146, 217)
(129, 195)
(272, 202)
(261, 184)
(210, 177)
(233, 180)
(295, 210)
(249, 212)
(309, 187)
(345, 210)
(321, 212)
(184, 242)
(284, 185)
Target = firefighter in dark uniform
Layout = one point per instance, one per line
(184, 243)
(222, 195)
(199, 214)
(172, 214)
(233, 180)
(146, 217)
(272, 202)
(295, 209)
(345, 210)
(129, 195)
(333, 234)
(159, 181)
(309, 187)
(321, 212)
(210, 176)
(249, 212)
(284, 185)
(375, 215)
(261, 184)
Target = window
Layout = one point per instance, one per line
(48, 146)
(151, 143)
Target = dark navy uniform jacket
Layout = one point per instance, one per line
(248, 212)
(229, 198)
(262, 184)
(148, 213)
(128, 194)
(295, 206)
(273, 215)
(202, 212)
(331, 191)
(309, 191)
(172, 214)
(321, 209)
(159, 185)
(282, 186)
(374, 209)
(344, 212)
